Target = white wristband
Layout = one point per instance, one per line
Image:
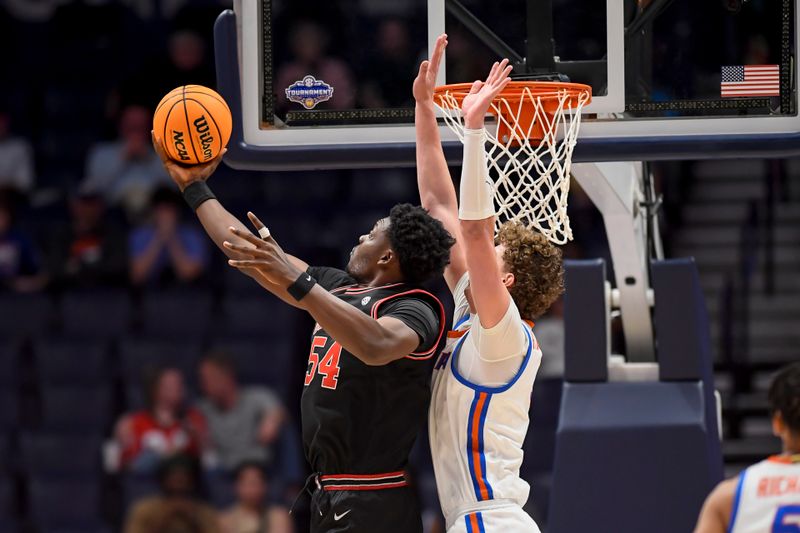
(476, 200)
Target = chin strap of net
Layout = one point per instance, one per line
(531, 177)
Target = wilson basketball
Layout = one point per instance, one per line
(194, 122)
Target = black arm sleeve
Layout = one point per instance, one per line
(419, 316)
(330, 278)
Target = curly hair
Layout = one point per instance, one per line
(420, 241)
(784, 396)
(537, 267)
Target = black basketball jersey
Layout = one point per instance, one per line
(361, 419)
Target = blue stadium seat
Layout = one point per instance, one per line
(28, 314)
(6, 460)
(7, 499)
(76, 410)
(540, 442)
(56, 456)
(179, 312)
(137, 486)
(263, 362)
(101, 314)
(71, 362)
(9, 363)
(260, 315)
(138, 356)
(221, 490)
(9, 410)
(64, 505)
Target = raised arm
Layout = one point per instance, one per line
(487, 283)
(216, 220)
(436, 191)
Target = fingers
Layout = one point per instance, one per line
(438, 53)
(249, 237)
(158, 146)
(423, 68)
(476, 86)
(500, 86)
(498, 72)
(248, 263)
(249, 250)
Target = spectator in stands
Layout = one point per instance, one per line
(165, 428)
(165, 251)
(90, 251)
(16, 158)
(20, 269)
(244, 422)
(550, 335)
(178, 509)
(308, 42)
(250, 513)
(127, 170)
(391, 67)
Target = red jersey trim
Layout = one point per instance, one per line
(418, 356)
(785, 459)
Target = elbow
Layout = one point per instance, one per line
(477, 230)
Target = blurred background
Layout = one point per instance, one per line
(146, 386)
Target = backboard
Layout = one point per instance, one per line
(328, 84)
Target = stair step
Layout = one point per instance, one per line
(701, 214)
(729, 169)
(723, 191)
(750, 449)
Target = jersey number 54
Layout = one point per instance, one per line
(327, 365)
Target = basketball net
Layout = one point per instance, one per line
(530, 154)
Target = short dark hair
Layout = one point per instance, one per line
(420, 241)
(242, 467)
(784, 396)
(220, 359)
(166, 196)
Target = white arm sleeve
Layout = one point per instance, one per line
(476, 200)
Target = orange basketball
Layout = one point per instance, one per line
(194, 123)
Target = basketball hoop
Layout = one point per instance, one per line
(531, 152)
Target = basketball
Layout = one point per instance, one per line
(194, 123)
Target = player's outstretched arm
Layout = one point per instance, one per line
(717, 509)
(436, 190)
(375, 342)
(217, 220)
(489, 294)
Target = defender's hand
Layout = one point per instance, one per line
(476, 103)
(265, 255)
(425, 82)
(184, 175)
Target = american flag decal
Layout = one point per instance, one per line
(750, 80)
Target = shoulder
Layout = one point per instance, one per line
(330, 278)
(719, 505)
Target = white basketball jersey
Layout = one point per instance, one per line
(767, 497)
(476, 432)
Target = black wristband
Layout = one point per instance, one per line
(301, 286)
(196, 193)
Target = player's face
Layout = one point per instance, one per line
(370, 249)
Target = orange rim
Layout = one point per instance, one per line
(546, 91)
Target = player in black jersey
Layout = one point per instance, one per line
(367, 383)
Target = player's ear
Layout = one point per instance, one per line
(386, 257)
(508, 279)
(778, 427)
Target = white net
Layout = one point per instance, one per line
(531, 177)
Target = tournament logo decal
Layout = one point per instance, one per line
(309, 92)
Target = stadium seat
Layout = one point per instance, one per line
(8, 522)
(71, 362)
(137, 486)
(260, 315)
(61, 456)
(102, 314)
(9, 363)
(139, 356)
(64, 505)
(265, 362)
(9, 410)
(176, 312)
(25, 314)
(76, 410)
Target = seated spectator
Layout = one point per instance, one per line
(391, 67)
(20, 269)
(250, 513)
(89, 251)
(178, 509)
(16, 159)
(244, 422)
(166, 427)
(126, 171)
(165, 251)
(309, 43)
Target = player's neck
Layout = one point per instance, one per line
(791, 445)
(383, 278)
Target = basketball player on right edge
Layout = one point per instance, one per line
(483, 379)
(765, 498)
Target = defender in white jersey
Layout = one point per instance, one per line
(765, 498)
(483, 380)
